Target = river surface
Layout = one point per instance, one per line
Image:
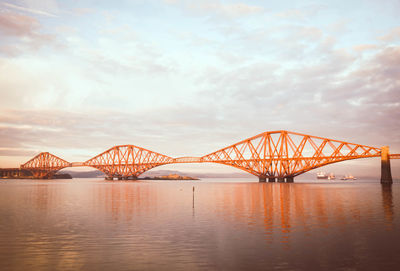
(92, 224)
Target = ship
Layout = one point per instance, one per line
(348, 177)
(322, 175)
(331, 176)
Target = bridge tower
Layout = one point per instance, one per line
(386, 174)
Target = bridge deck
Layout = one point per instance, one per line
(187, 160)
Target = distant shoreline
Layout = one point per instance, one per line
(167, 178)
(66, 176)
(63, 176)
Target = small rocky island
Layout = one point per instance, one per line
(171, 177)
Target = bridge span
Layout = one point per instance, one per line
(273, 156)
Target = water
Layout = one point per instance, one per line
(92, 224)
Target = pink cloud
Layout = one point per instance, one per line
(364, 47)
(21, 33)
(389, 59)
(18, 25)
(393, 35)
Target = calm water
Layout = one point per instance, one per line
(92, 224)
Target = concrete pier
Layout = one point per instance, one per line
(271, 180)
(290, 179)
(262, 179)
(386, 174)
(281, 179)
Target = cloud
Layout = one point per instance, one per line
(17, 152)
(293, 14)
(393, 35)
(231, 10)
(302, 13)
(21, 33)
(83, 11)
(27, 84)
(342, 93)
(170, 132)
(226, 10)
(14, 24)
(30, 10)
(365, 47)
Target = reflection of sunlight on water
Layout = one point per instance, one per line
(154, 224)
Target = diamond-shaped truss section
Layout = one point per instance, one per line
(284, 154)
(127, 161)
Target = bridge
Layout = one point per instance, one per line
(273, 156)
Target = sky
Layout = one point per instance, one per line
(186, 78)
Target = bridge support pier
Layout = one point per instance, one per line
(271, 180)
(290, 179)
(281, 179)
(262, 179)
(386, 174)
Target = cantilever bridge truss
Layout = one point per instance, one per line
(45, 165)
(280, 154)
(127, 161)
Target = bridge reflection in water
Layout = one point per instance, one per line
(387, 200)
(276, 208)
(111, 225)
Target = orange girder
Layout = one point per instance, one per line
(287, 154)
(395, 156)
(270, 154)
(44, 165)
(127, 161)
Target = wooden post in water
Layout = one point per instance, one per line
(386, 174)
(193, 199)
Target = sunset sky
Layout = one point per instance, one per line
(190, 77)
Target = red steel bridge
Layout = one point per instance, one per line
(273, 156)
